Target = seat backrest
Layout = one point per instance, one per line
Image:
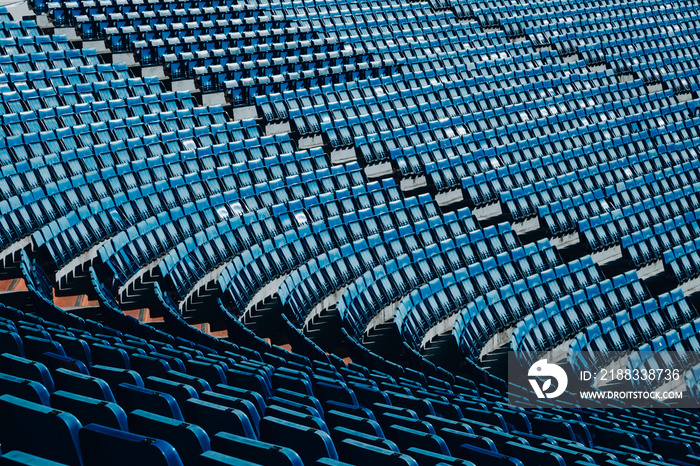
(311, 444)
(132, 397)
(357, 452)
(103, 446)
(82, 384)
(27, 369)
(39, 430)
(406, 438)
(215, 418)
(213, 458)
(234, 402)
(189, 440)
(11, 343)
(90, 410)
(29, 390)
(254, 450)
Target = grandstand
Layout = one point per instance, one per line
(320, 232)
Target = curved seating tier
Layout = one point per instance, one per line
(419, 173)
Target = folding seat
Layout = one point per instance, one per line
(35, 347)
(137, 397)
(302, 416)
(310, 444)
(529, 454)
(423, 456)
(254, 397)
(39, 430)
(336, 418)
(89, 410)
(295, 382)
(214, 418)
(27, 369)
(246, 406)
(212, 373)
(188, 439)
(328, 391)
(11, 343)
(110, 356)
(302, 403)
(367, 396)
(254, 450)
(25, 389)
(480, 455)
(388, 418)
(55, 361)
(149, 365)
(458, 433)
(406, 438)
(17, 457)
(82, 384)
(358, 452)
(420, 406)
(105, 446)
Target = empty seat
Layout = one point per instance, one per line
(481, 456)
(82, 384)
(253, 397)
(149, 365)
(234, 402)
(180, 391)
(339, 419)
(103, 446)
(39, 430)
(114, 375)
(197, 383)
(215, 418)
(11, 343)
(429, 458)
(309, 443)
(90, 410)
(214, 458)
(133, 397)
(297, 417)
(35, 347)
(356, 452)
(454, 438)
(341, 433)
(406, 437)
(23, 388)
(20, 458)
(27, 369)
(105, 355)
(55, 361)
(254, 450)
(533, 455)
(189, 440)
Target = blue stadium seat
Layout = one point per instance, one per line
(90, 410)
(57, 430)
(316, 443)
(103, 445)
(254, 450)
(357, 452)
(215, 418)
(189, 440)
(17, 457)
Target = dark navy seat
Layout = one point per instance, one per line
(90, 410)
(105, 446)
(39, 430)
(189, 440)
(254, 450)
